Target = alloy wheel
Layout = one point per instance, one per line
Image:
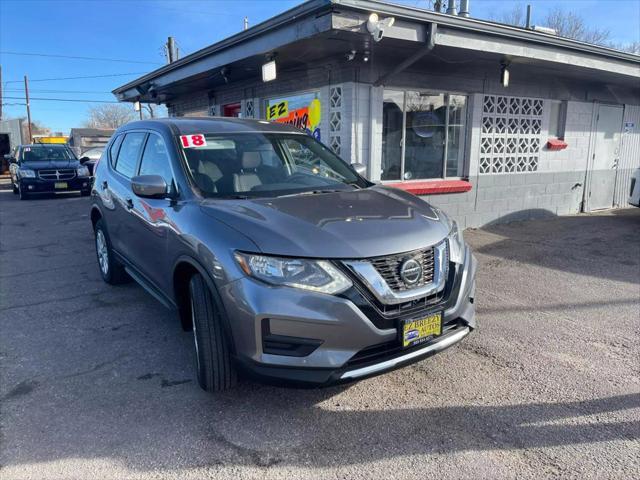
(103, 252)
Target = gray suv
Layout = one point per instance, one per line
(284, 261)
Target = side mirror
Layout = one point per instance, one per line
(84, 160)
(149, 186)
(360, 168)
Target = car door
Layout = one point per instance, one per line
(152, 216)
(120, 223)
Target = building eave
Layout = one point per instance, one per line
(482, 26)
(349, 14)
(301, 11)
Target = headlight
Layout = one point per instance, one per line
(26, 173)
(315, 275)
(456, 244)
(83, 171)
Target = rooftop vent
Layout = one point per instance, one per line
(547, 30)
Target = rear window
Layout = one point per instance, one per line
(113, 150)
(129, 152)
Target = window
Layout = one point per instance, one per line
(423, 135)
(129, 152)
(113, 150)
(46, 152)
(155, 159)
(302, 111)
(557, 119)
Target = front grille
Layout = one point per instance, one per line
(389, 268)
(386, 316)
(55, 175)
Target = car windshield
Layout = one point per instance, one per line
(46, 152)
(267, 165)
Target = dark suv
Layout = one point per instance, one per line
(47, 168)
(281, 258)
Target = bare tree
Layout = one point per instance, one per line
(516, 16)
(572, 25)
(109, 116)
(633, 47)
(37, 128)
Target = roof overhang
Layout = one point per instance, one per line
(318, 20)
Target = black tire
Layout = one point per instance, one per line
(214, 365)
(111, 270)
(23, 195)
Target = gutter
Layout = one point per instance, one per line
(481, 26)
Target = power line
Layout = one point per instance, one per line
(78, 78)
(29, 54)
(55, 91)
(63, 100)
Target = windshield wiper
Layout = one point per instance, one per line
(310, 192)
(232, 197)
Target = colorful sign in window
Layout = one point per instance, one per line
(302, 111)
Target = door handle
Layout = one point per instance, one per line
(129, 203)
(105, 185)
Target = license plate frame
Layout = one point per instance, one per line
(415, 331)
(60, 185)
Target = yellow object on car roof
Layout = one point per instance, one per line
(62, 140)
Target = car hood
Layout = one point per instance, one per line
(352, 224)
(50, 164)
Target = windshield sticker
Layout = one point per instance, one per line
(27, 149)
(193, 141)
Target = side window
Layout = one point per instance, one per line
(155, 159)
(128, 154)
(113, 150)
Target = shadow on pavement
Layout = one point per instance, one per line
(243, 428)
(605, 245)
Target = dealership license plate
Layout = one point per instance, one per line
(421, 330)
(60, 185)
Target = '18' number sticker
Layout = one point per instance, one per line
(193, 141)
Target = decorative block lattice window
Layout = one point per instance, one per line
(335, 119)
(249, 111)
(510, 140)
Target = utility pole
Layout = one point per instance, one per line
(26, 95)
(170, 50)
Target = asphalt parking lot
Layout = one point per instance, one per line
(97, 381)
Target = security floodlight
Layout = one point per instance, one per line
(376, 27)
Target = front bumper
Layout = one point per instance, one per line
(37, 185)
(329, 339)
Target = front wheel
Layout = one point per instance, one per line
(214, 365)
(23, 195)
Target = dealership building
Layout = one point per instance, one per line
(491, 122)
